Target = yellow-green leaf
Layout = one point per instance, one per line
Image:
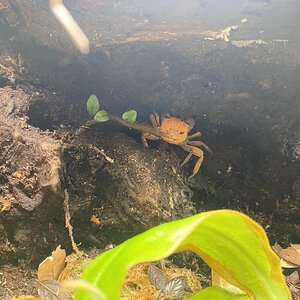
(229, 242)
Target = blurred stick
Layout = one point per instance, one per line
(72, 28)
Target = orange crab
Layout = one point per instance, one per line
(176, 132)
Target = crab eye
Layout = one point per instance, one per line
(181, 132)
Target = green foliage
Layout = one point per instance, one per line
(93, 105)
(232, 244)
(130, 116)
(101, 116)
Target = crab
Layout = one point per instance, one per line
(175, 131)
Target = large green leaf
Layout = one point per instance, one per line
(231, 243)
(92, 105)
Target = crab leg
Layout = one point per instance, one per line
(187, 159)
(154, 118)
(195, 135)
(148, 136)
(200, 144)
(197, 152)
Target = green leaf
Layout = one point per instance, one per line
(130, 116)
(101, 116)
(229, 242)
(93, 105)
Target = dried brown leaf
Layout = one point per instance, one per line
(296, 247)
(52, 266)
(287, 265)
(290, 255)
(276, 248)
(293, 278)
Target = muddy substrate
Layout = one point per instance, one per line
(114, 193)
(116, 187)
(244, 99)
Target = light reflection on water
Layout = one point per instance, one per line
(266, 19)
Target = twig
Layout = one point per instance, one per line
(100, 152)
(68, 224)
(139, 127)
(136, 126)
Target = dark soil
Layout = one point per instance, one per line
(16, 281)
(245, 101)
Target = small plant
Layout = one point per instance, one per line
(232, 244)
(93, 107)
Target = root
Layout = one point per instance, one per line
(68, 224)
